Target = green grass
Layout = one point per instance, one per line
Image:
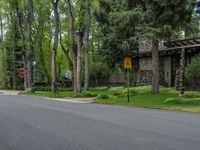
(51, 95)
(144, 99)
(140, 97)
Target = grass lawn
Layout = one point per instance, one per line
(143, 98)
(140, 97)
(50, 95)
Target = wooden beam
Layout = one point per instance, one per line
(180, 47)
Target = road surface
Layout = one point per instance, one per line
(28, 123)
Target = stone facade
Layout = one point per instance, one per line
(145, 45)
(144, 77)
(145, 63)
(145, 73)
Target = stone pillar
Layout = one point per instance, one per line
(181, 78)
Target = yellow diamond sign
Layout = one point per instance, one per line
(128, 63)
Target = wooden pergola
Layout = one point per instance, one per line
(183, 46)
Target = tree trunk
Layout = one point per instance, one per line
(78, 86)
(30, 46)
(1, 24)
(182, 66)
(66, 52)
(155, 65)
(86, 45)
(14, 48)
(71, 42)
(23, 45)
(55, 45)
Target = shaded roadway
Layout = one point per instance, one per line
(31, 123)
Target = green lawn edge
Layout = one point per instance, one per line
(140, 97)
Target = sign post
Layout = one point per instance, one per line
(128, 66)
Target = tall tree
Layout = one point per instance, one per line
(72, 49)
(30, 53)
(55, 45)
(117, 22)
(20, 26)
(86, 44)
(160, 20)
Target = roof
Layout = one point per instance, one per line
(183, 43)
(191, 45)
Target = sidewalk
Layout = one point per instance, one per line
(67, 99)
(74, 100)
(9, 92)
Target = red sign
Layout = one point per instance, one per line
(21, 73)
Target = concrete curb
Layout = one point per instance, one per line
(74, 100)
(9, 92)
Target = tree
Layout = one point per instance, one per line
(55, 45)
(117, 22)
(161, 19)
(20, 26)
(30, 53)
(71, 42)
(86, 44)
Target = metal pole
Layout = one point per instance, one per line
(128, 84)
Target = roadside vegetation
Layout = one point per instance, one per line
(140, 97)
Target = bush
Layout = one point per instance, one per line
(98, 72)
(89, 94)
(192, 72)
(86, 94)
(122, 91)
(103, 88)
(103, 96)
(192, 101)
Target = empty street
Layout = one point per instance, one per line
(31, 123)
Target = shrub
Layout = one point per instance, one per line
(103, 88)
(98, 72)
(122, 91)
(103, 96)
(192, 72)
(86, 94)
(89, 94)
(192, 101)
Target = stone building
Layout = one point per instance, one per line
(169, 53)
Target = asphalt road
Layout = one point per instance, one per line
(28, 123)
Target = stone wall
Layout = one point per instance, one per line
(145, 45)
(144, 77)
(145, 73)
(145, 63)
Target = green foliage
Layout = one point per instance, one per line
(191, 101)
(103, 96)
(192, 72)
(98, 72)
(99, 89)
(143, 98)
(147, 100)
(89, 94)
(117, 21)
(123, 21)
(193, 69)
(164, 16)
(122, 91)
